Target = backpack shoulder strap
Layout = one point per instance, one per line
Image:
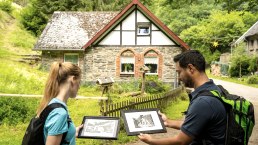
(212, 93)
(44, 114)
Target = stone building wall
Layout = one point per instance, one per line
(99, 62)
(104, 62)
(48, 57)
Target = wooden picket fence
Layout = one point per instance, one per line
(154, 101)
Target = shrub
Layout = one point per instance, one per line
(16, 110)
(154, 85)
(6, 5)
(252, 79)
(239, 66)
(124, 87)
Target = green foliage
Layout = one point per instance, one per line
(124, 87)
(253, 66)
(21, 2)
(177, 4)
(243, 5)
(153, 85)
(242, 63)
(239, 66)
(35, 16)
(6, 6)
(180, 19)
(33, 19)
(220, 27)
(16, 110)
(252, 79)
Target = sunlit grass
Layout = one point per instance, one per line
(241, 80)
(18, 78)
(174, 111)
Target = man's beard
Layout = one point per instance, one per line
(188, 81)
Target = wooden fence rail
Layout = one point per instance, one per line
(155, 101)
(40, 96)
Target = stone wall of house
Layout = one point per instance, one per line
(225, 58)
(215, 69)
(252, 44)
(103, 62)
(48, 57)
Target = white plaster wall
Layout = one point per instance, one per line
(117, 28)
(158, 38)
(129, 22)
(154, 27)
(143, 40)
(112, 39)
(141, 17)
(128, 38)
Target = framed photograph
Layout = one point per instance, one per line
(99, 127)
(142, 121)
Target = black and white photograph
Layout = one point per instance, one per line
(142, 121)
(99, 127)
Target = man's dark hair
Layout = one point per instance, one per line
(193, 57)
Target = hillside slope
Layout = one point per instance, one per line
(17, 77)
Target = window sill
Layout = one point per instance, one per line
(127, 75)
(151, 73)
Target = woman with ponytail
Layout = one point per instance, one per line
(63, 83)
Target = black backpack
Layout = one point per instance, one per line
(34, 134)
(240, 116)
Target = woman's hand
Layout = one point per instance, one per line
(145, 138)
(164, 118)
(77, 130)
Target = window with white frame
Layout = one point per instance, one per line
(127, 65)
(152, 64)
(71, 57)
(143, 28)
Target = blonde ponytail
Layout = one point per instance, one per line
(59, 72)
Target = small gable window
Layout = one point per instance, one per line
(143, 28)
(71, 57)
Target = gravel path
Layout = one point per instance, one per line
(249, 93)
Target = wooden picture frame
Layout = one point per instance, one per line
(99, 127)
(143, 121)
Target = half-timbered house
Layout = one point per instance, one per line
(112, 44)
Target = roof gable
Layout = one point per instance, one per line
(135, 4)
(250, 32)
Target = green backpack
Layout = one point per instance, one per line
(240, 116)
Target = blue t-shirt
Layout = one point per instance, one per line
(205, 118)
(56, 123)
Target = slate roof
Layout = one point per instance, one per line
(250, 32)
(72, 30)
